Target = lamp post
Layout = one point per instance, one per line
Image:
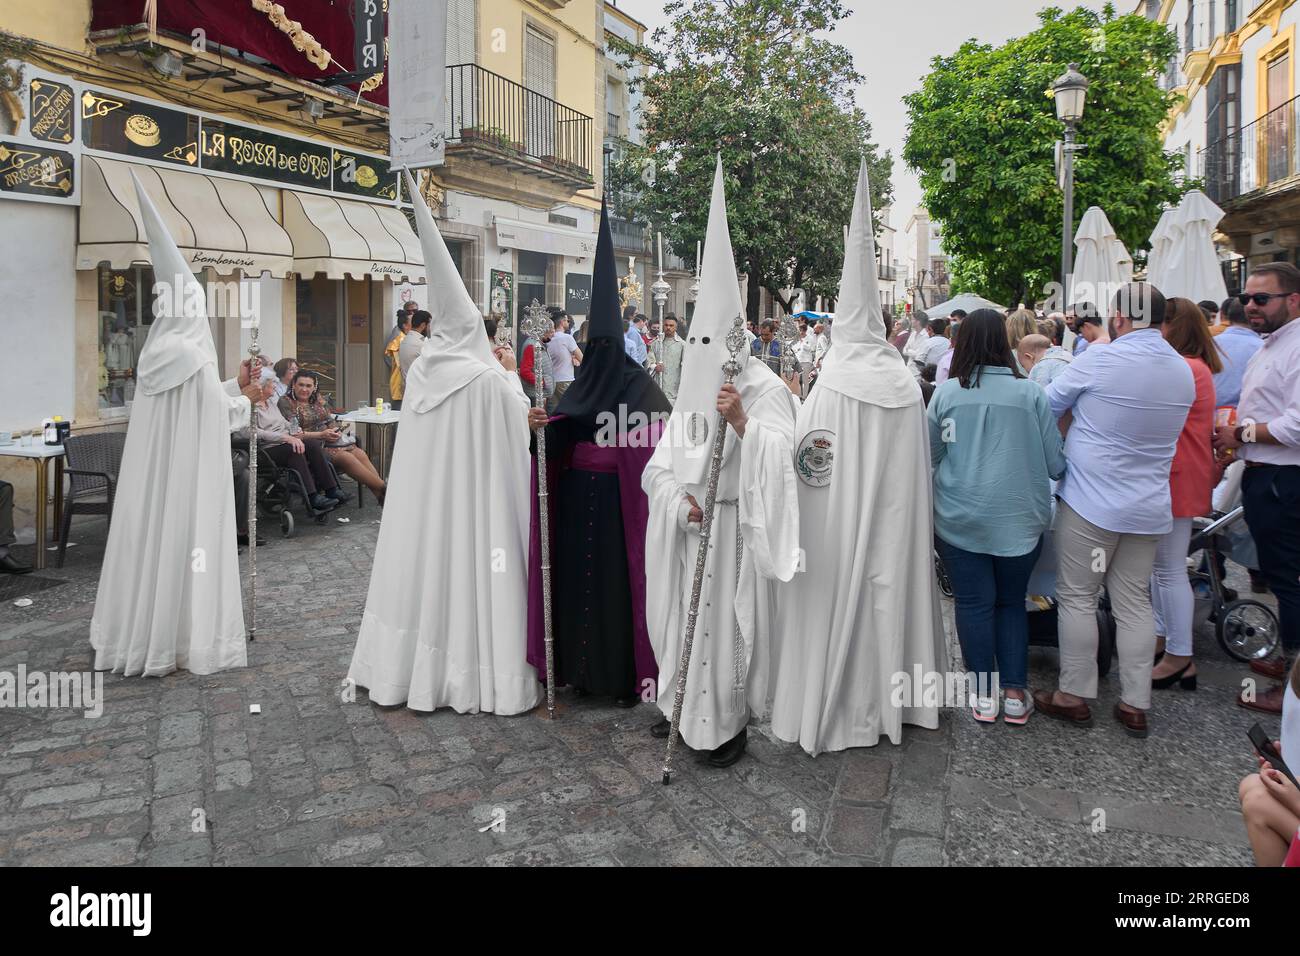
(1070, 90)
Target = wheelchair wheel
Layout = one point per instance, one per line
(286, 523)
(1247, 630)
(941, 575)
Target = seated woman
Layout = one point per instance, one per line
(316, 422)
(1270, 803)
(276, 436)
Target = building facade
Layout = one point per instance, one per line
(924, 260)
(1235, 125)
(274, 179)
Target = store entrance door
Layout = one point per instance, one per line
(530, 281)
(320, 318)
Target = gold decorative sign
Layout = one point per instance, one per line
(51, 112)
(35, 170)
(121, 125)
(363, 175)
(231, 148)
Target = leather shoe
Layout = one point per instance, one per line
(631, 700)
(1275, 667)
(731, 751)
(1135, 722)
(1077, 714)
(661, 729)
(1269, 702)
(11, 565)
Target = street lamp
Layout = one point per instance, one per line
(1070, 91)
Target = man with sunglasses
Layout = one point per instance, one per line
(1267, 438)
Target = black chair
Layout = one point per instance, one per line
(93, 462)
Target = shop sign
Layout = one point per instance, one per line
(577, 293)
(35, 170)
(119, 125)
(359, 174)
(230, 148)
(52, 106)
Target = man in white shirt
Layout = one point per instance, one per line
(413, 341)
(1267, 436)
(917, 341)
(565, 356)
(1124, 407)
(936, 345)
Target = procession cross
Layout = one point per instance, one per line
(537, 322)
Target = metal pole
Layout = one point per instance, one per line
(1067, 226)
(254, 375)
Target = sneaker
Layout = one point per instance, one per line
(339, 495)
(1017, 711)
(984, 709)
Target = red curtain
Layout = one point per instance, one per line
(235, 23)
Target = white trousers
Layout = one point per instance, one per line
(1171, 590)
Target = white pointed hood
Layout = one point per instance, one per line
(695, 413)
(180, 340)
(863, 365)
(457, 350)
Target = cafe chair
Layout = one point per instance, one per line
(93, 462)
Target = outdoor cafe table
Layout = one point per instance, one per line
(386, 421)
(41, 453)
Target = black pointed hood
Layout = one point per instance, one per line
(605, 320)
(608, 377)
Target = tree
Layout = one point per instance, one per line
(751, 80)
(982, 131)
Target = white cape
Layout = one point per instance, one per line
(169, 593)
(445, 618)
(757, 478)
(866, 608)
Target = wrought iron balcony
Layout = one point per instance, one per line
(505, 123)
(1255, 156)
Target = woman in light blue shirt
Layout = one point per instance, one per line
(994, 448)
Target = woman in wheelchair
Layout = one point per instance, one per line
(306, 457)
(303, 402)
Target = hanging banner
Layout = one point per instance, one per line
(577, 293)
(368, 29)
(417, 65)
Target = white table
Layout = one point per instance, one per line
(388, 420)
(41, 453)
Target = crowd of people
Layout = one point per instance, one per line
(1095, 462)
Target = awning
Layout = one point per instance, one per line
(538, 237)
(340, 237)
(223, 224)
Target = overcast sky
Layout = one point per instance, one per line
(892, 44)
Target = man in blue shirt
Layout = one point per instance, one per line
(1237, 344)
(1124, 407)
(633, 344)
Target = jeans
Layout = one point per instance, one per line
(989, 595)
(1171, 590)
(1271, 494)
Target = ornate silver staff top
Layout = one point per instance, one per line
(788, 333)
(537, 320)
(737, 346)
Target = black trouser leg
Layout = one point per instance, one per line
(1271, 495)
(239, 463)
(286, 457)
(319, 464)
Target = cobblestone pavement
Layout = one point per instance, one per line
(178, 771)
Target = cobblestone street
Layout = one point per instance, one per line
(313, 779)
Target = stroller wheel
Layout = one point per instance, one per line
(286, 523)
(941, 575)
(1248, 630)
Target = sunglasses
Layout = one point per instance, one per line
(1261, 298)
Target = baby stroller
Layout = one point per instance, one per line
(1040, 607)
(1247, 629)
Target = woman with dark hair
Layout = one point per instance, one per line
(304, 403)
(1191, 484)
(994, 448)
(503, 353)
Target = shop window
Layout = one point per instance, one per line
(125, 317)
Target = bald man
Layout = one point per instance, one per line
(1041, 359)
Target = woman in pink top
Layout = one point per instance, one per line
(1191, 482)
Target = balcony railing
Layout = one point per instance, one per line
(888, 273)
(489, 112)
(1255, 156)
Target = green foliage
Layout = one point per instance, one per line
(987, 110)
(749, 79)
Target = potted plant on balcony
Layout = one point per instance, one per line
(493, 136)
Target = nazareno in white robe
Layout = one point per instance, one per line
(444, 624)
(866, 607)
(758, 479)
(169, 593)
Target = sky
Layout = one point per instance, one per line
(892, 45)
